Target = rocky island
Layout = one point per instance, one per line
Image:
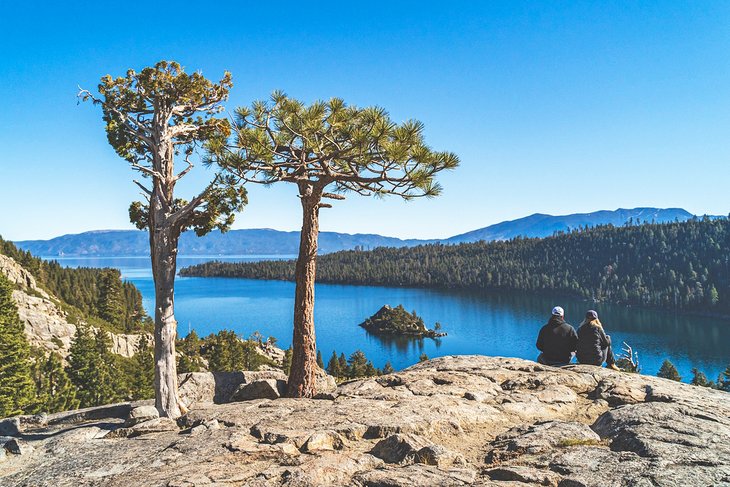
(398, 321)
(458, 420)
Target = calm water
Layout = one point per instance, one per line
(481, 323)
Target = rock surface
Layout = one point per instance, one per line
(465, 420)
(46, 324)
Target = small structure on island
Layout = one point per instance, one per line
(398, 321)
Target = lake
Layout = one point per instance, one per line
(499, 324)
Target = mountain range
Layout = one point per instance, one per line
(105, 243)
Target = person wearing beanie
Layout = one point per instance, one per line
(557, 340)
(594, 346)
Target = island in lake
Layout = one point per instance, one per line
(398, 321)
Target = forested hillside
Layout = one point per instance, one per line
(682, 266)
(94, 294)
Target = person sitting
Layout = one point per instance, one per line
(594, 346)
(557, 340)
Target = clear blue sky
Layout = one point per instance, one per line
(553, 107)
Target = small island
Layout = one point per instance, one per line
(398, 321)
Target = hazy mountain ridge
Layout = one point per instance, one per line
(104, 243)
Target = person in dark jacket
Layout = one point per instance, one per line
(594, 346)
(557, 340)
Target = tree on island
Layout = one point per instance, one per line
(153, 118)
(320, 147)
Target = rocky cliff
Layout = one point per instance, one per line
(46, 324)
(463, 420)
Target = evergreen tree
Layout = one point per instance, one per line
(320, 362)
(700, 379)
(141, 379)
(111, 297)
(154, 118)
(54, 390)
(723, 381)
(190, 359)
(286, 363)
(344, 368)
(17, 391)
(357, 364)
(388, 368)
(333, 366)
(423, 358)
(669, 371)
(92, 368)
(370, 370)
(357, 150)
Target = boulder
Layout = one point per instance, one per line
(141, 414)
(399, 448)
(323, 440)
(17, 447)
(259, 389)
(218, 387)
(10, 427)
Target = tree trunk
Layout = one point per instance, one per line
(304, 348)
(163, 249)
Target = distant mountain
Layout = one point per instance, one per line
(104, 243)
(540, 225)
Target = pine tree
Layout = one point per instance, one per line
(110, 303)
(286, 364)
(54, 390)
(17, 391)
(320, 362)
(190, 359)
(700, 379)
(723, 381)
(92, 368)
(344, 368)
(388, 368)
(333, 366)
(423, 358)
(357, 364)
(669, 371)
(142, 377)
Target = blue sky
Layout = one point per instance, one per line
(553, 107)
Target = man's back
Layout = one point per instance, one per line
(557, 341)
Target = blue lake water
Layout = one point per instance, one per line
(496, 324)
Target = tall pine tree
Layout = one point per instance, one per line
(17, 390)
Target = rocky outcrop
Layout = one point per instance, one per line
(46, 324)
(464, 420)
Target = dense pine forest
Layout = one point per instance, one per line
(98, 296)
(683, 266)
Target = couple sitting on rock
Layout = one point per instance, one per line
(558, 341)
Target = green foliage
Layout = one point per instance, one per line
(682, 266)
(190, 350)
(423, 358)
(161, 105)
(93, 369)
(333, 366)
(139, 372)
(700, 379)
(669, 371)
(723, 380)
(286, 366)
(320, 362)
(353, 149)
(356, 366)
(17, 391)
(111, 297)
(87, 294)
(388, 368)
(224, 351)
(54, 389)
